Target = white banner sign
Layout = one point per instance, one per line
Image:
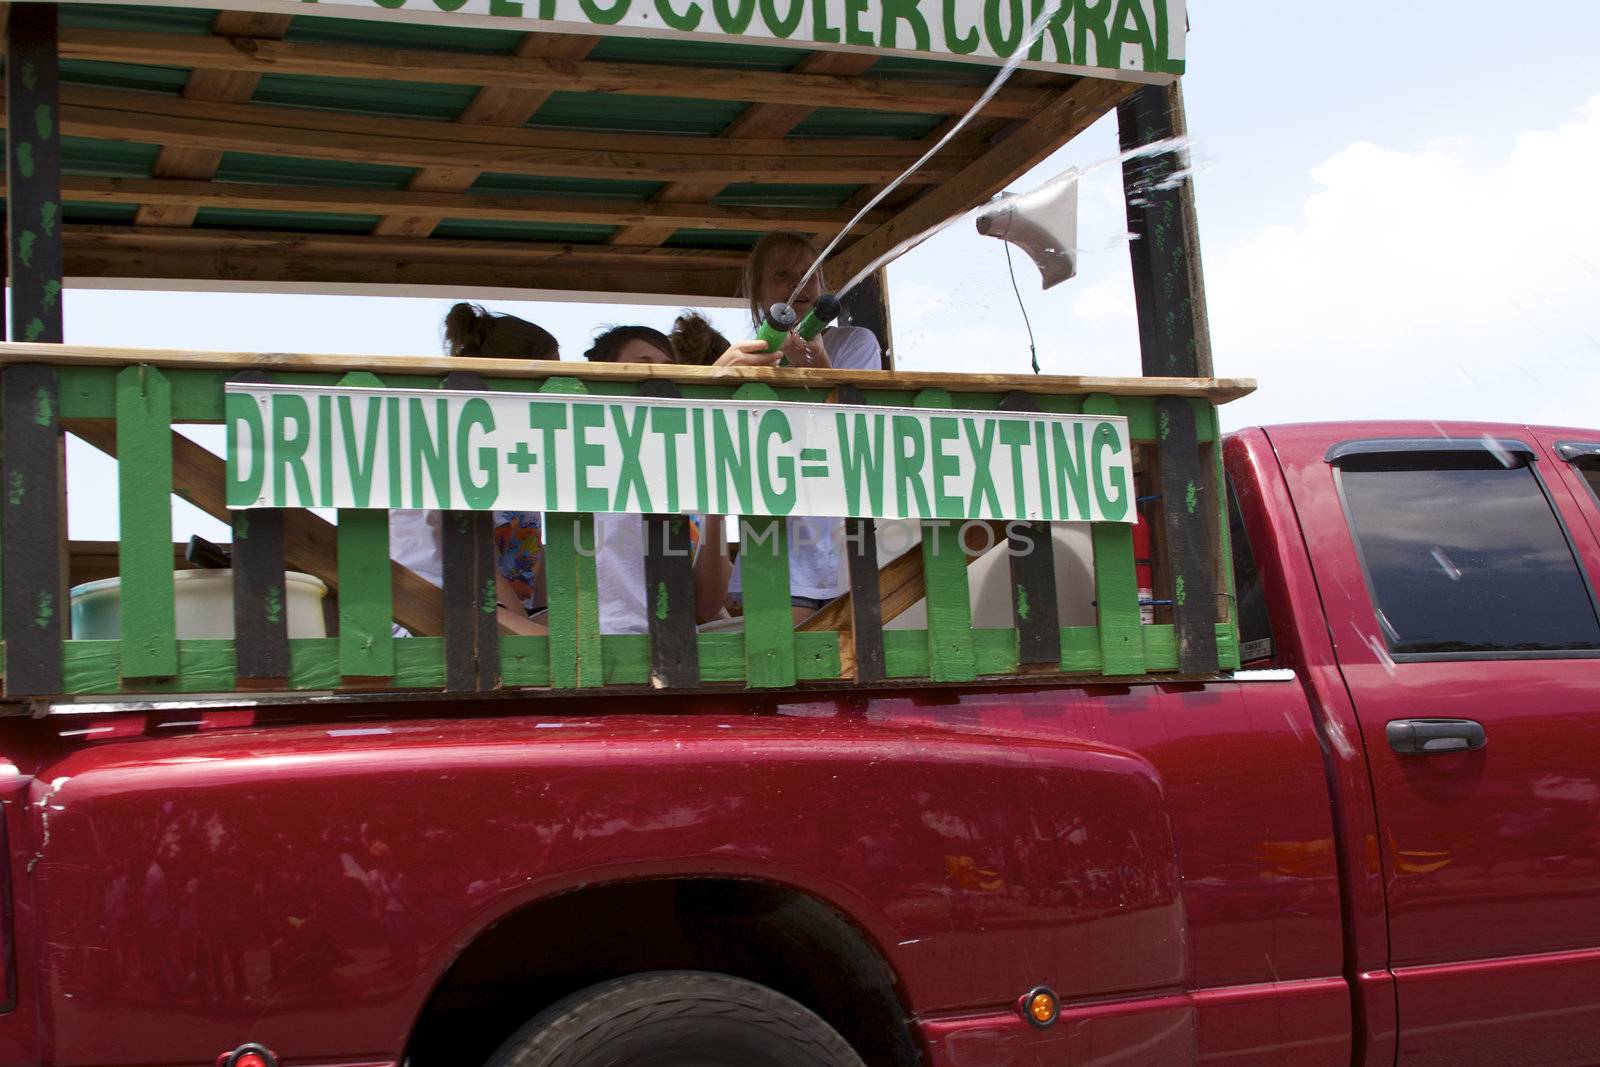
(1135, 36)
(301, 446)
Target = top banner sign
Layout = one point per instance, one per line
(342, 447)
(1134, 37)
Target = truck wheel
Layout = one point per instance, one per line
(676, 1019)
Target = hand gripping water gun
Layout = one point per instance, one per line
(775, 327)
(824, 311)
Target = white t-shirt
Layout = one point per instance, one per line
(816, 542)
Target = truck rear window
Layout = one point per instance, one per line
(1465, 555)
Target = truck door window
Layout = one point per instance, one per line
(1465, 556)
(1255, 629)
(1589, 467)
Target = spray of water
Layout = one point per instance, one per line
(1035, 31)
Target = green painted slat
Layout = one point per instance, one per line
(144, 508)
(314, 663)
(577, 658)
(93, 667)
(722, 657)
(1227, 646)
(1080, 649)
(816, 656)
(944, 571)
(905, 653)
(419, 663)
(1227, 632)
(524, 661)
(769, 645)
(1160, 647)
(91, 392)
(366, 592)
(995, 651)
(625, 658)
(1115, 580)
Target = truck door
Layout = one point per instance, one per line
(1459, 586)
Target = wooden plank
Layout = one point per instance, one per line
(669, 583)
(861, 551)
(757, 120)
(1068, 114)
(260, 615)
(576, 656)
(227, 85)
(1217, 390)
(764, 582)
(1116, 583)
(33, 173)
(33, 604)
(1191, 514)
(366, 596)
(1032, 559)
(144, 507)
(419, 143)
(944, 566)
(594, 211)
(494, 105)
(471, 633)
(310, 542)
(903, 95)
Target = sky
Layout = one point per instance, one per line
(1396, 212)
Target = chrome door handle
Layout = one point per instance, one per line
(1424, 737)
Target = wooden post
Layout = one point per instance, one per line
(33, 173)
(944, 566)
(867, 305)
(670, 586)
(570, 548)
(764, 581)
(861, 549)
(1032, 557)
(366, 596)
(471, 632)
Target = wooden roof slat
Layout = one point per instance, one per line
(1217, 390)
(494, 105)
(757, 120)
(1068, 114)
(358, 139)
(228, 85)
(525, 72)
(501, 208)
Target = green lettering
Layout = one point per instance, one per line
(325, 449)
(670, 423)
(392, 424)
(630, 472)
(1014, 435)
(821, 32)
(477, 414)
(1055, 31)
(702, 490)
(862, 458)
(853, 33)
(1041, 463)
(775, 424)
(1131, 27)
(896, 12)
(1112, 508)
(730, 461)
(363, 461)
(547, 417)
(1072, 469)
(245, 433)
(1092, 19)
(449, 5)
(908, 465)
(959, 44)
(730, 20)
(430, 450)
(506, 8)
(605, 16)
(392, 5)
(943, 429)
(586, 417)
(782, 27)
(982, 474)
(1002, 41)
(289, 450)
(686, 21)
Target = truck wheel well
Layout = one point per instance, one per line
(779, 937)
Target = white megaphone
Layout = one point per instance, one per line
(1043, 223)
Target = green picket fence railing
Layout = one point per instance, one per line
(129, 408)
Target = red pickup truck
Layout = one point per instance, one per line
(1378, 842)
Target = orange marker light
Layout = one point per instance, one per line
(1040, 1006)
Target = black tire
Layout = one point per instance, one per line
(676, 1019)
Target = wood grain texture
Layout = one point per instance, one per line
(576, 660)
(1116, 582)
(471, 634)
(1032, 560)
(527, 72)
(226, 85)
(669, 581)
(1217, 390)
(33, 174)
(866, 610)
(260, 602)
(1189, 508)
(144, 508)
(366, 595)
(33, 604)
